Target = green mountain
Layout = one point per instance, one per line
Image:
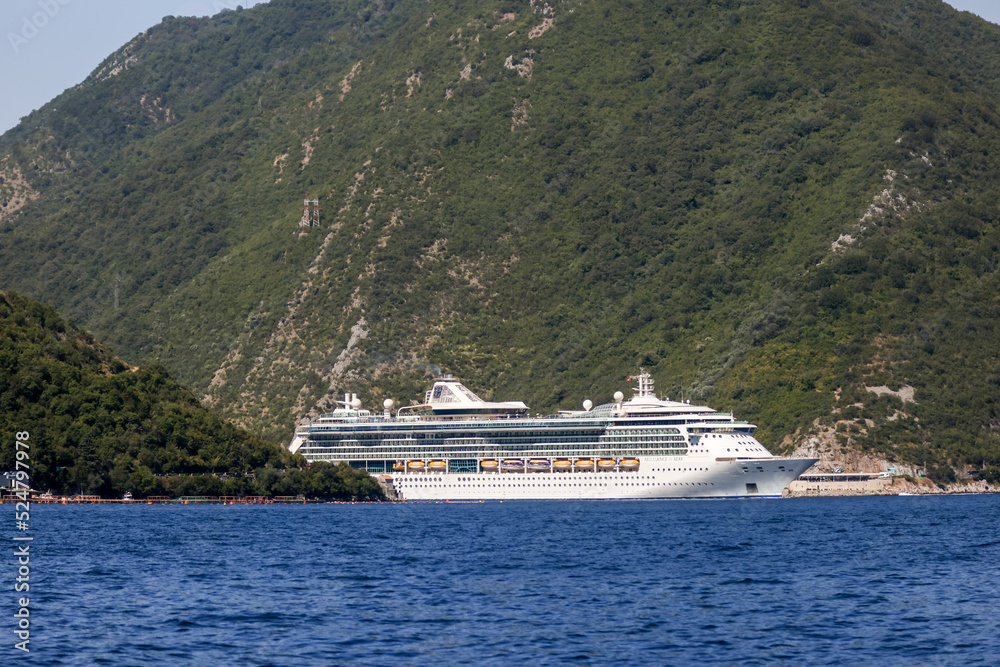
(784, 208)
(96, 426)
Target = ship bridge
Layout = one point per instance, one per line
(450, 398)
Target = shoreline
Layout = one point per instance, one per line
(799, 488)
(183, 500)
(882, 487)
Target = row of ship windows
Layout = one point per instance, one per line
(423, 477)
(491, 483)
(568, 436)
(491, 449)
(436, 432)
(644, 431)
(554, 443)
(721, 429)
(440, 481)
(443, 482)
(331, 454)
(641, 438)
(709, 423)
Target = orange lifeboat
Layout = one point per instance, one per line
(606, 464)
(437, 465)
(584, 465)
(415, 466)
(629, 464)
(562, 465)
(489, 465)
(398, 466)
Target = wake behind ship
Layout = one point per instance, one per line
(456, 446)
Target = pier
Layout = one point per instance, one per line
(841, 484)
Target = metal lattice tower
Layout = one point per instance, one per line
(305, 221)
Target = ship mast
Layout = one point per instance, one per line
(645, 380)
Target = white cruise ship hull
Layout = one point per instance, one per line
(659, 478)
(456, 446)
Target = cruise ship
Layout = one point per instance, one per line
(456, 446)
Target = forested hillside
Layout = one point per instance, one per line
(781, 207)
(96, 426)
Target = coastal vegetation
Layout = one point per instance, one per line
(784, 209)
(100, 427)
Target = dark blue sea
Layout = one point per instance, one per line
(830, 581)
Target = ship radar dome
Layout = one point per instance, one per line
(619, 396)
(588, 404)
(356, 403)
(387, 403)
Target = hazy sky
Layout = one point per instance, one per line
(46, 46)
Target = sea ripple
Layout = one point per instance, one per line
(831, 581)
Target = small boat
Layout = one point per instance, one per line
(415, 465)
(489, 465)
(512, 465)
(584, 465)
(127, 496)
(538, 465)
(398, 466)
(562, 465)
(629, 464)
(437, 465)
(606, 464)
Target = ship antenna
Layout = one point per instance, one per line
(645, 383)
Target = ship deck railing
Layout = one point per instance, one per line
(374, 453)
(554, 422)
